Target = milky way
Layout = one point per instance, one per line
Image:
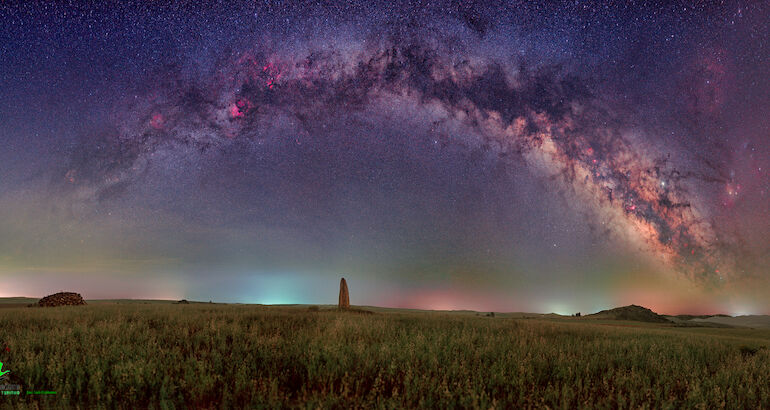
(541, 112)
(466, 137)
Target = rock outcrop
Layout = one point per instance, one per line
(62, 299)
(631, 312)
(344, 295)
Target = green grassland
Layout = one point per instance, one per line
(224, 356)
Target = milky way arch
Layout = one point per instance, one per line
(547, 114)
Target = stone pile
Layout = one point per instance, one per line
(62, 299)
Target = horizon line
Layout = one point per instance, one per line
(391, 307)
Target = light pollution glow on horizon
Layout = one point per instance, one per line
(534, 158)
(274, 289)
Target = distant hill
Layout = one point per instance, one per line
(631, 312)
(691, 317)
(18, 300)
(756, 321)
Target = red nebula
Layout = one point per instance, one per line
(240, 108)
(235, 112)
(273, 74)
(157, 121)
(266, 73)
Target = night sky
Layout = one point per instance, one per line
(495, 156)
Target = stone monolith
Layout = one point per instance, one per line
(344, 295)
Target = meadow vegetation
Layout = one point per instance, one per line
(225, 356)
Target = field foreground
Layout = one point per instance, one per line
(210, 355)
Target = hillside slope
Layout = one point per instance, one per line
(631, 312)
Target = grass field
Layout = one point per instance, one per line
(224, 356)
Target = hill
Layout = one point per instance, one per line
(631, 312)
(691, 317)
(18, 300)
(755, 321)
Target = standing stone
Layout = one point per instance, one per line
(344, 295)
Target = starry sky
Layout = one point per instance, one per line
(486, 155)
